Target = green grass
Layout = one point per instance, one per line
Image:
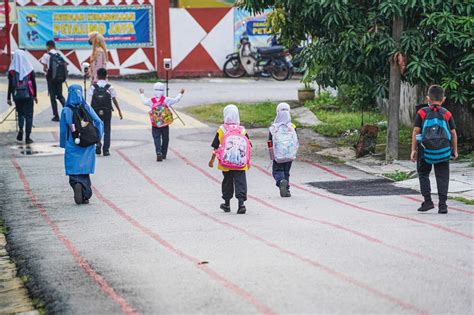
(344, 124)
(398, 176)
(462, 199)
(251, 115)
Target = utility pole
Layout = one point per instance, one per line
(391, 150)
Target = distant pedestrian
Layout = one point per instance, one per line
(103, 94)
(161, 117)
(283, 146)
(233, 148)
(22, 87)
(99, 56)
(55, 68)
(80, 129)
(434, 142)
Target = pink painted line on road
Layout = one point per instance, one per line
(328, 223)
(340, 201)
(260, 306)
(83, 263)
(329, 270)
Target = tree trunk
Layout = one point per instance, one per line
(391, 151)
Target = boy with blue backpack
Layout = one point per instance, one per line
(282, 145)
(436, 139)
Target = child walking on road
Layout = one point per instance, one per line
(55, 68)
(103, 94)
(232, 148)
(79, 157)
(436, 139)
(283, 146)
(161, 117)
(22, 87)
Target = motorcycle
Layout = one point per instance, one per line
(272, 61)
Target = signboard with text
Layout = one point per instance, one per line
(253, 26)
(122, 26)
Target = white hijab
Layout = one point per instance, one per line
(283, 116)
(231, 115)
(159, 89)
(20, 64)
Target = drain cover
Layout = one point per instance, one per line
(364, 187)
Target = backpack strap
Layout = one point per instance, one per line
(107, 86)
(96, 86)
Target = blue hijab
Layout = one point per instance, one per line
(75, 96)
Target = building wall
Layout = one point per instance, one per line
(196, 39)
(122, 61)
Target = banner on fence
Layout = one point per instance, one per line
(122, 26)
(253, 26)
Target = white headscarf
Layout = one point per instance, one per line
(21, 64)
(159, 89)
(283, 116)
(231, 115)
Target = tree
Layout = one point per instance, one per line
(356, 42)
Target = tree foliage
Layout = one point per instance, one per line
(351, 43)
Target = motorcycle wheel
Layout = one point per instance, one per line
(280, 70)
(233, 68)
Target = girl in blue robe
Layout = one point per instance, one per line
(79, 162)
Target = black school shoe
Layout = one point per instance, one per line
(85, 201)
(55, 118)
(442, 208)
(106, 153)
(98, 150)
(225, 207)
(284, 188)
(78, 198)
(28, 140)
(241, 209)
(425, 206)
(19, 136)
(159, 158)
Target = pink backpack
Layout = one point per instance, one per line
(160, 113)
(235, 149)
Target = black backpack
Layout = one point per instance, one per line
(436, 136)
(101, 98)
(22, 90)
(57, 70)
(85, 130)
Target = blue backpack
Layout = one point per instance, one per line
(435, 135)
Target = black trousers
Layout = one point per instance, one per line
(25, 115)
(442, 177)
(281, 171)
(85, 182)
(237, 180)
(106, 117)
(161, 137)
(55, 91)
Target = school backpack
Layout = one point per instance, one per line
(101, 98)
(235, 149)
(84, 132)
(285, 143)
(57, 70)
(435, 135)
(160, 113)
(23, 89)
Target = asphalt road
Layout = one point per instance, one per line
(153, 239)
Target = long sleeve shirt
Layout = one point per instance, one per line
(170, 101)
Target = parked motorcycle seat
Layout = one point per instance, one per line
(270, 50)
